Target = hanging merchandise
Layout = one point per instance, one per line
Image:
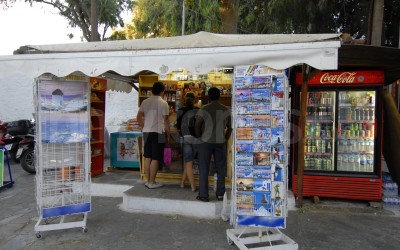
(259, 191)
(62, 151)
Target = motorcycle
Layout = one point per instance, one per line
(19, 140)
(26, 153)
(11, 133)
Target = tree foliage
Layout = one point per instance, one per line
(261, 17)
(77, 12)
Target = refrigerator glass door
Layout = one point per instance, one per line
(320, 131)
(356, 126)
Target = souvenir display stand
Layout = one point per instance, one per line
(62, 152)
(261, 136)
(3, 183)
(98, 88)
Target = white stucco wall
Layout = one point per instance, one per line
(16, 102)
(120, 107)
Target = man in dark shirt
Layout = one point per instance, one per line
(213, 127)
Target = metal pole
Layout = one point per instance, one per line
(183, 17)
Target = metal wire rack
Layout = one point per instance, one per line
(62, 153)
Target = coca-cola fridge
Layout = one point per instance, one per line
(343, 135)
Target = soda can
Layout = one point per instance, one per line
(348, 133)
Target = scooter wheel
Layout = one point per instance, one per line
(28, 161)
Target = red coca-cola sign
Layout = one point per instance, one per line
(344, 77)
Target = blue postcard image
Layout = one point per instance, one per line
(278, 84)
(261, 146)
(244, 172)
(277, 136)
(245, 146)
(243, 95)
(262, 82)
(244, 82)
(262, 185)
(244, 121)
(262, 172)
(261, 95)
(262, 133)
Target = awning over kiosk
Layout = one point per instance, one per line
(198, 53)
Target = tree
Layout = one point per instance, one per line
(78, 14)
(261, 17)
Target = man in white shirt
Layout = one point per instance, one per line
(153, 118)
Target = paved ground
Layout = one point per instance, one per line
(331, 224)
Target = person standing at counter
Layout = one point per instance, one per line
(153, 118)
(185, 125)
(213, 126)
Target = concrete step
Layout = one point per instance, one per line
(170, 199)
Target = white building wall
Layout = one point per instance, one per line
(16, 102)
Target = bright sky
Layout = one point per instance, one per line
(37, 25)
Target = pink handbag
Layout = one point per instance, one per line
(167, 156)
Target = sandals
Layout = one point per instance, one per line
(204, 199)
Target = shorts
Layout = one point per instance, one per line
(154, 144)
(190, 148)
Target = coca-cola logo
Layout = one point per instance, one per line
(344, 77)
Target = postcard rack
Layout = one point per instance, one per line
(62, 153)
(259, 191)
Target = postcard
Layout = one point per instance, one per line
(262, 133)
(244, 184)
(261, 95)
(277, 118)
(244, 108)
(277, 172)
(261, 158)
(244, 133)
(278, 84)
(262, 198)
(262, 172)
(277, 101)
(278, 190)
(262, 120)
(63, 96)
(243, 121)
(244, 198)
(277, 136)
(261, 146)
(244, 159)
(260, 82)
(244, 171)
(244, 209)
(277, 154)
(243, 95)
(244, 146)
(263, 210)
(243, 82)
(261, 108)
(262, 185)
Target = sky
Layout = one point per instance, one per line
(37, 25)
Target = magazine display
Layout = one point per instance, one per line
(260, 151)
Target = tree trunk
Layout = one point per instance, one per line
(376, 22)
(94, 21)
(229, 16)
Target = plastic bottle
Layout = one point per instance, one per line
(317, 130)
(363, 161)
(329, 147)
